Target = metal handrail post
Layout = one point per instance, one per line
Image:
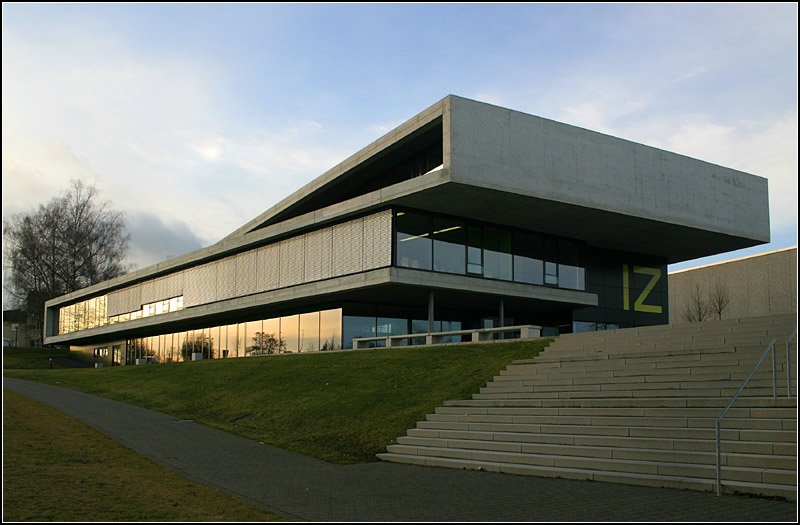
(789, 365)
(770, 347)
(719, 462)
(774, 374)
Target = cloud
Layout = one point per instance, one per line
(154, 239)
(764, 148)
(152, 131)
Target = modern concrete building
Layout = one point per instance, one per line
(467, 215)
(754, 286)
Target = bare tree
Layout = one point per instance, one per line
(719, 298)
(71, 242)
(696, 308)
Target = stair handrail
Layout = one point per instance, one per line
(789, 364)
(770, 347)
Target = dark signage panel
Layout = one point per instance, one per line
(631, 290)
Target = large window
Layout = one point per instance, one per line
(309, 332)
(330, 329)
(528, 258)
(570, 266)
(497, 263)
(449, 245)
(290, 332)
(413, 240)
(356, 326)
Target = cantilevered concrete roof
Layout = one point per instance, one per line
(511, 168)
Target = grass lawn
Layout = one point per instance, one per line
(15, 357)
(56, 468)
(343, 407)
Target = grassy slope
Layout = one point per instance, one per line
(343, 407)
(46, 477)
(31, 357)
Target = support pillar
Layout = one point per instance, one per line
(502, 313)
(430, 312)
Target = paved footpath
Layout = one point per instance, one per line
(303, 488)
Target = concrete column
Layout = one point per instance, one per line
(502, 312)
(430, 312)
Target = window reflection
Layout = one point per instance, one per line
(309, 332)
(449, 246)
(290, 332)
(528, 259)
(92, 313)
(254, 339)
(497, 253)
(272, 340)
(453, 246)
(330, 329)
(414, 249)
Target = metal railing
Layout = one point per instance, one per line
(771, 349)
(789, 364)
(433, 338)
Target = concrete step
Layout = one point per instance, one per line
(727, 457)
(463, 407)
(672, 353)
(707, 402)
(649, 377)
(631, 406)
(710, 337)
(661, 402)
(458, 415)
(715, 379)
(723, 389)
(666, 468)
(780, 436)
(742, 361)
(657, 443)
(706, 485)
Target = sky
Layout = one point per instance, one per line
(193, 119)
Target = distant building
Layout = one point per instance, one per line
(763, 284)
(18, 331)
(466, 216)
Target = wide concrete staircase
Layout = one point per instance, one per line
(634, 406)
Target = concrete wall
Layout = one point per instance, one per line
(511, 151)
(760, 285)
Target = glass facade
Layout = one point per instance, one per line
(84, 315)
(92, 313)
(414, 246)
(307, 332)
(431, 242)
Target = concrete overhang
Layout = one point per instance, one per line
(597, 227)
(405, 286)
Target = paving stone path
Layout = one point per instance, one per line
(303, 488)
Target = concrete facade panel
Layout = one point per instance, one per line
(377, 240)
(246, 273)
(523, 154)
(269, 267)
(318, 247)
(173, 285)
(149, 293)
(226, 278)
(291, 261)
(348, 246)
(201, 285)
